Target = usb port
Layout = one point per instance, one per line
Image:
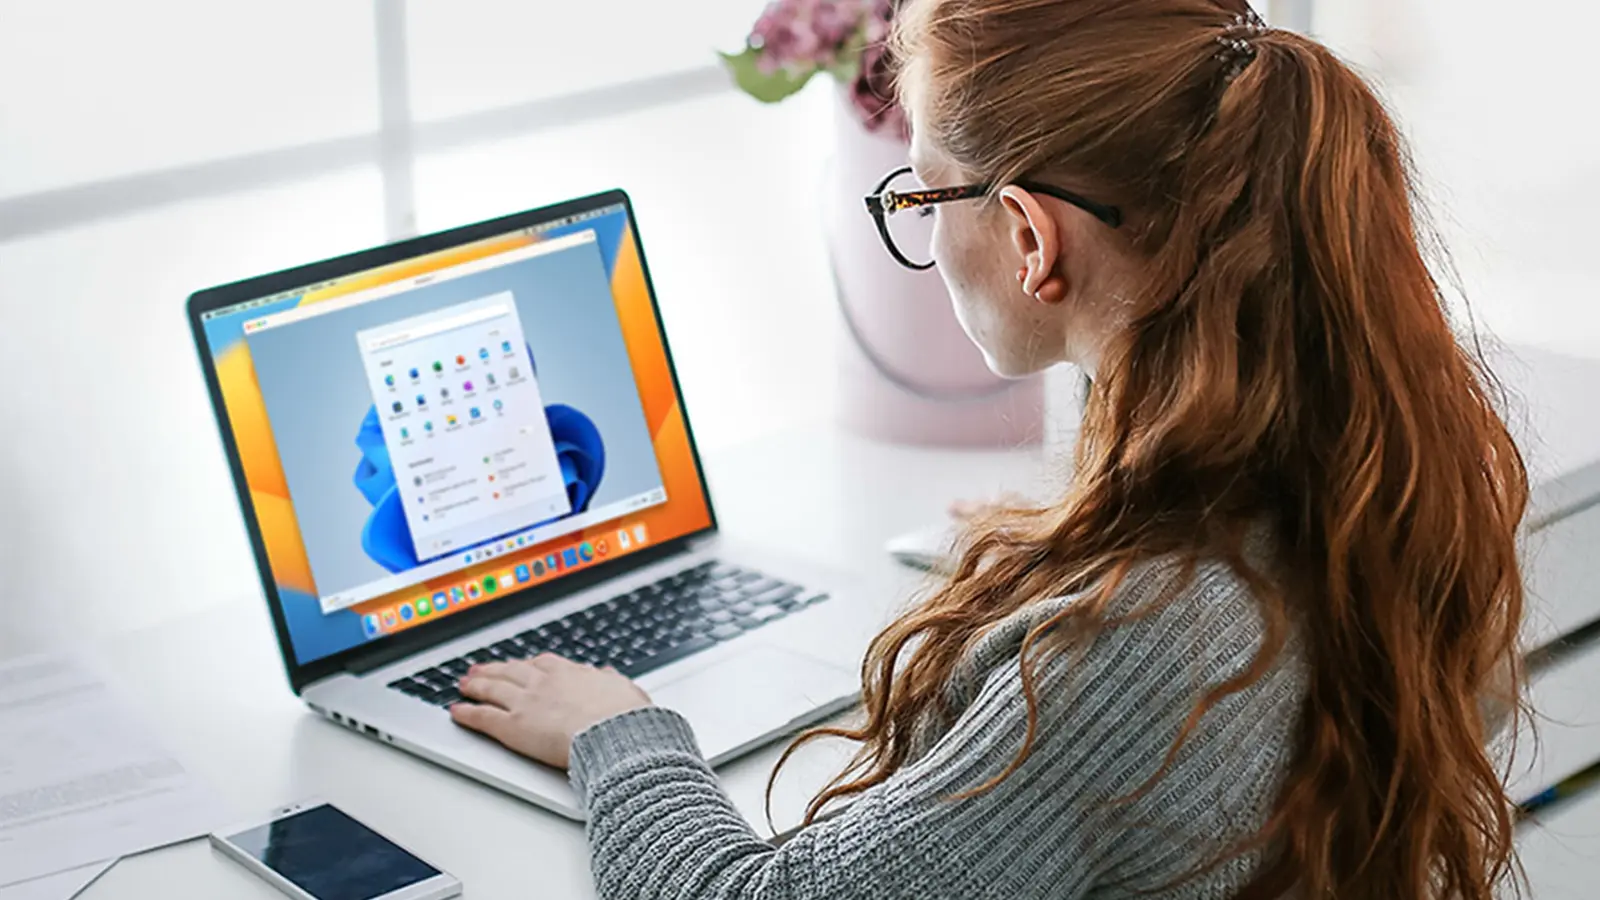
(373, 732)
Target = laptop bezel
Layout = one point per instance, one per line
(370, 654)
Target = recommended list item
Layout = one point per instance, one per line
(81, 781)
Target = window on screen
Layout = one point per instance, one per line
(464, 421)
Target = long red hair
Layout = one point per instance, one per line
(1291, 361)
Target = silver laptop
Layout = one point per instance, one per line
(471, 446)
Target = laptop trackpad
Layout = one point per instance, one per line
(752, 693)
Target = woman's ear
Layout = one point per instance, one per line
(1037, 238)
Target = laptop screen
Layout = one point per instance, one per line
(435, 434)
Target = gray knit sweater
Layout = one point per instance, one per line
(659, 825)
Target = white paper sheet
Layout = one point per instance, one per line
(80, 779)
(60, 886)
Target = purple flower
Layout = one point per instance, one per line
(801, 35)
(836, 23)
(873, 91)
(873, 95)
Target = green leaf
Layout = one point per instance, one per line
(772, 88)
(848, 68)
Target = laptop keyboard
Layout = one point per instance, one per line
(638, 631)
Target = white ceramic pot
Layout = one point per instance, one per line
(907, 372)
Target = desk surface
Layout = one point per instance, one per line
(212, 684)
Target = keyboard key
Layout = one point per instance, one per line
(633, 668)
(435, 678)
(657, 624)
(413, 688)
(511, 649)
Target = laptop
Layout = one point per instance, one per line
(471, 446)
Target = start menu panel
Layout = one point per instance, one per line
(465, 424)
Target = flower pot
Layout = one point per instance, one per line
(907, 372)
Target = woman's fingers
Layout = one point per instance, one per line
(486, 689)
(965, 510)
(548, 662)
(489, 720)
(518, 673)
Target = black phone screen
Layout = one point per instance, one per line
(331, 856)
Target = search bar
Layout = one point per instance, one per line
(429, 329)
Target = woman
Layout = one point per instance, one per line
(1250, 653)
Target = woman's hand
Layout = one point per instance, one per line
(537, 706)
(967, 510)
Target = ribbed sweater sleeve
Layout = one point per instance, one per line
(1061, 826)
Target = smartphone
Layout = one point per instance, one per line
(315, 851)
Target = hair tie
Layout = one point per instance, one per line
(1238, 42)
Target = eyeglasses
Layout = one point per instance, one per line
(903, 208)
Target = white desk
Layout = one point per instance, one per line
(213, 686)
(212, 682)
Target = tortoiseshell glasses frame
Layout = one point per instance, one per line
(883, 203)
